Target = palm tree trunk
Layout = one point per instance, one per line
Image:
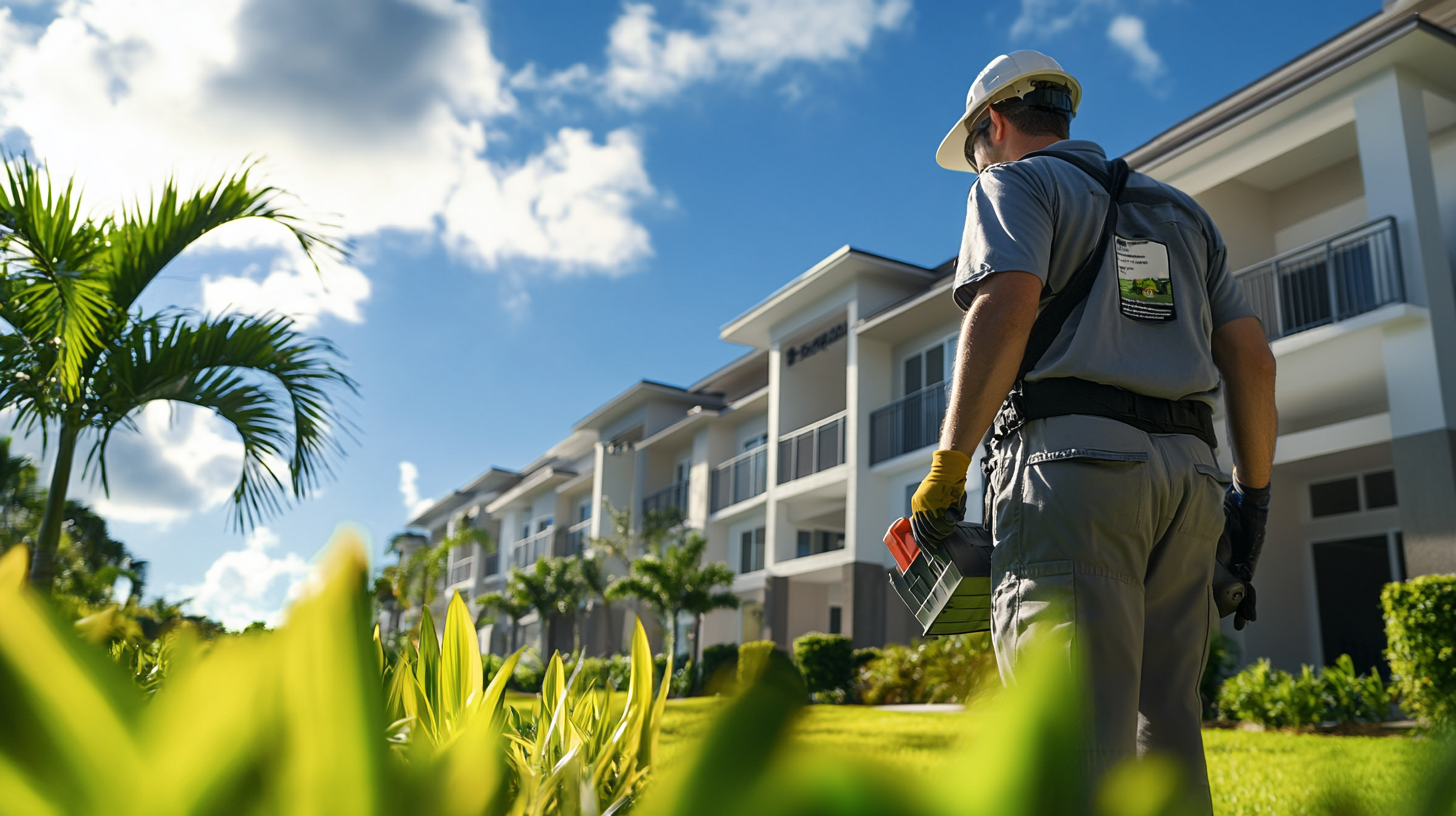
(43, 568)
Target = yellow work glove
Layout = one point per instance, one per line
(940, 501)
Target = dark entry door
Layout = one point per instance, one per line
(1348, 576)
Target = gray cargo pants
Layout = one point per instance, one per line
(1105, 536)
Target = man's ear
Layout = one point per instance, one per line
(999, 125)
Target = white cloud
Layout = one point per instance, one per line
(250, 584)
(647, 62)
(1047, 18)
(1130, 34)
(291, 287)
(409, 490)
(180, 460)
(378, 124)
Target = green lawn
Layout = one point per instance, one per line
(1250, 773)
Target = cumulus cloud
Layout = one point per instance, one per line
(409, 489)
(648, 62)
(250, 584)
(373, 112)
(180, 460)
(1130, 34)
(291, 287)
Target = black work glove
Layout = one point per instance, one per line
(940, 500)
(1246, 514)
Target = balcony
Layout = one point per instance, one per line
(460, 571)
(669, 500)
(810, 450)
(578, 536)
(528, 551)
(909, 423)
(1348, 274)
(740, 478)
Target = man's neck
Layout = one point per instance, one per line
(1018, 146)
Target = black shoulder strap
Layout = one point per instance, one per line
(1113, 178)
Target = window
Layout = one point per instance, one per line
(1380, 489)
(492, 562)
(756, 442)
(681, 470)
(750, 552)
(836, 620)
(544, 523)
(813, 542)
(1352, 494)
(928, 367)
(583, 511)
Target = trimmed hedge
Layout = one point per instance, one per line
(827, 663)
(1420, 628)
(753, 658)
(720, 668)
(950, 669)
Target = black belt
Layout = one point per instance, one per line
(1063, 396)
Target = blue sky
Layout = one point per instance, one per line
(547, 200)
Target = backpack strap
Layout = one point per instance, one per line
(1112, 176)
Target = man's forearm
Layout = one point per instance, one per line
(993, 339)
(1243, 358)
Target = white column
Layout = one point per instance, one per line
(1420, 359)
(773, 536)
(600, 478)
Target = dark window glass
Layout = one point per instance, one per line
(745, 558)
(912, 374)
(805, 544)
(1349, 576)
(1333, 498)
(1380, 489)
(1400, 556)
(829, 541)
(836, 620)
(934, 365)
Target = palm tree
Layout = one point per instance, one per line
(595, 580)
(415, 578)
(676, 582)
(81, 357)
(539, 588)
(509, 603)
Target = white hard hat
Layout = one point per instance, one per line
(1009, 75)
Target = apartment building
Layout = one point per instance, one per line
(1333, 180)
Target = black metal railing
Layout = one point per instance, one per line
(1348, 274)
(809, 450)
(740, 478)
(530, 550)
(909, 423)
(670, 499)
(578, 536)
(460, 571)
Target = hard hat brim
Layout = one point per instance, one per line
(952, 151)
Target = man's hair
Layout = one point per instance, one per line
(1034, 121)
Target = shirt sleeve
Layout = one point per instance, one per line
(1227, 299)
(1009, 225)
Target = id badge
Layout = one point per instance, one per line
(1145, 287)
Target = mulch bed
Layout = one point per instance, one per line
(1398, 728)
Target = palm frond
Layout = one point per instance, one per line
(274, 385)
(53, 293)
(149, 237)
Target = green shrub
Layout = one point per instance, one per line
(945, 670)
(619, 672)
(528, 674)
(752, 660)
(827, 663)
(1354, 697)
(720, 668)
(1223, 663)
(1273, 698)
(1420, 627)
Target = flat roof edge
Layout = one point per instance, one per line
(1308, 68)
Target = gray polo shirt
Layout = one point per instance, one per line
(1164, 287)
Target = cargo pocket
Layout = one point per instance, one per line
(1078, 495)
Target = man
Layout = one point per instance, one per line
(1114, 329)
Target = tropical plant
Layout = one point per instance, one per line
(1274, 698)
(82, 358)
(512, 603)
(21, 499)
(951, 669)
(414, 580)
(676, 582)
(1355, 697)
(548, 587)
